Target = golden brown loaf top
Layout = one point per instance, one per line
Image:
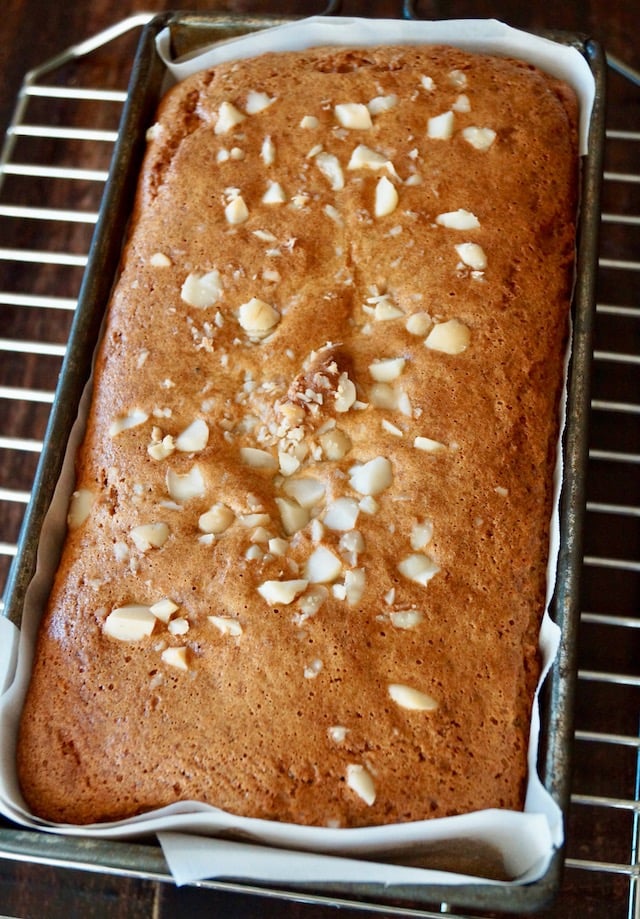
(306, 562)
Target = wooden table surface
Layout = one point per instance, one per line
(600, 831)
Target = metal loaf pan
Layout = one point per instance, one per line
(145, 860)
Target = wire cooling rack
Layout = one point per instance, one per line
(56, 198)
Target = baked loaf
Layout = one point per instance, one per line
(306, 562)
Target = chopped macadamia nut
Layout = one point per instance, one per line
(458, 220)
(480, 138)
(125, 422)
(308, 492)
(412, 699)
(194, 438)
(226, 625)
(386, 198)
(387, 369)
(406, 618)
(257, 102)
(178, 626)
(450, 337)
(354, 585)
(421, 534)
(79, 507)
(381, 104)
(427, 83)
(294, 517)
(183, 487)
(364, 157)
(462, 104)
(130, 623)
(341, 514)
(309, 122)
(268, 152)
(149, 536)
(160, 260)
(335, 444)
(228, 117)
(164, 609)
(257, 317)
(419, 568)
(258, 459)
(345, 393)
(373, 477)
(236, 211)
(428, 445)
(274, 194)
(330, 167)
(202, 289)
(175, 657)
(323, 566)
(418, 324)
(282, 592)
(161, 449)
(353, 115)
(472, 255)
(361, 782)
(440, 127)
(337, 733)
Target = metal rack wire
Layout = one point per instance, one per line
(35, 280)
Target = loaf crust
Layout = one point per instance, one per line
(284, 711)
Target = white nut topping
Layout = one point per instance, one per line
(373, 477)
(472, 255)
(226, 625)
(421, 534)
(278, 546)
(202, 290)
(428, 445)
(257, 102)
(386, 199)
(418, 323)
(161, 449)
(341, 514)
(129, 623)
(364, 157)
(282, 592)
(313, 669)
(323, 566)
(149, 536)
(382, 104)
(309, 121)
(274, 194)
(406, 618)
(164, 609)
(337, 733)
(354, 584)
(330, 167)
(289, 464)
(178, 626)
(419, 568)
(194, 438)
(382, 395)
(480, 138)
(217, 519)
(236, 211)
(123, 423)
(412, 699)
(450, 337)
(388, 369)
(228, 117)
(458, 220)
(390, 428)
(258, 459)
(268, 152)
(353, 115)
(440, 127)
(294, 518)
(462, 104)
(79, 507)
(457, 78)
(307, 491)
(189, 485)
(159, 260)
(427, 83)
(257, 317)
(335, 444)
(175, 657)
(345, 393)
(361, 781)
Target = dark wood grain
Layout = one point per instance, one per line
(35, 30)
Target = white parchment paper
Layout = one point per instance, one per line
(187, 831)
